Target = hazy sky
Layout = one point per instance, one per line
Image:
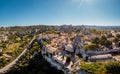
(90, 12)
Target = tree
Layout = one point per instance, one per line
(113, 67)
(116, 40)
(108, 43)
(96, 40)
(93, 68)
(1, 53)
(68, 59)
(92, 47)
(93, 30)
(118, 35)
(102, 40)
(72, 38)
(3, 62)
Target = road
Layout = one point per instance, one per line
(7, 67)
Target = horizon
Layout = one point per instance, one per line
(59, 25)
(58, 12)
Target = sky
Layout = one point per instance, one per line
(58, 12)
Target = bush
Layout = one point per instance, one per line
(68, 59)
(91, 47)
(3, 62)
(113, 67)
(1, 53)
(93, 68)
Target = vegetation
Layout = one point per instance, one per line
(31, 63)
(52, 32)
(102, 41)
(92, 47)
(1, 53)
(93, 68)
(3, 62)
(111, 67)
(98, 32)
(13, 47)
(96, 40)
(68, 59)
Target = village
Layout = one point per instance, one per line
(65, 47)
(68, 49)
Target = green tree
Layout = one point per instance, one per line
(118, 35)
(96, 40)
(93, 30)
(116, 40)
(92, 47)
(3, 62)
(113, 67)
(93, 68)
(1, 53)
(108, 43)
(68, 59)
(102, 40)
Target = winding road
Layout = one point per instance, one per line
(7, 67)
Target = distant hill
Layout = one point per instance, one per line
(104, 27)
(53, 26)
